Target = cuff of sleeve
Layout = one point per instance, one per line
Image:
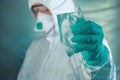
(100, 61)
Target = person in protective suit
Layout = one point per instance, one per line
(47, 58)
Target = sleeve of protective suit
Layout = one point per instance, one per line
(107, 71)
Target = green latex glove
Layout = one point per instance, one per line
(88, 37)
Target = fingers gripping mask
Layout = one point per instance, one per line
(44, 22)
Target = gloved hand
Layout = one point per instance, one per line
(88, 37)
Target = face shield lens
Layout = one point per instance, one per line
(65, 21)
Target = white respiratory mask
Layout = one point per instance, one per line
(44, 22)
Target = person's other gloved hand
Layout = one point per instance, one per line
(88, 37)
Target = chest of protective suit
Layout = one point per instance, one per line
(47, 60)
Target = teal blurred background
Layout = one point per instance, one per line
(17, 23)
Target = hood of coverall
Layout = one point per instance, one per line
(56, 7)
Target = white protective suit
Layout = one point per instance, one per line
(46, 58)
